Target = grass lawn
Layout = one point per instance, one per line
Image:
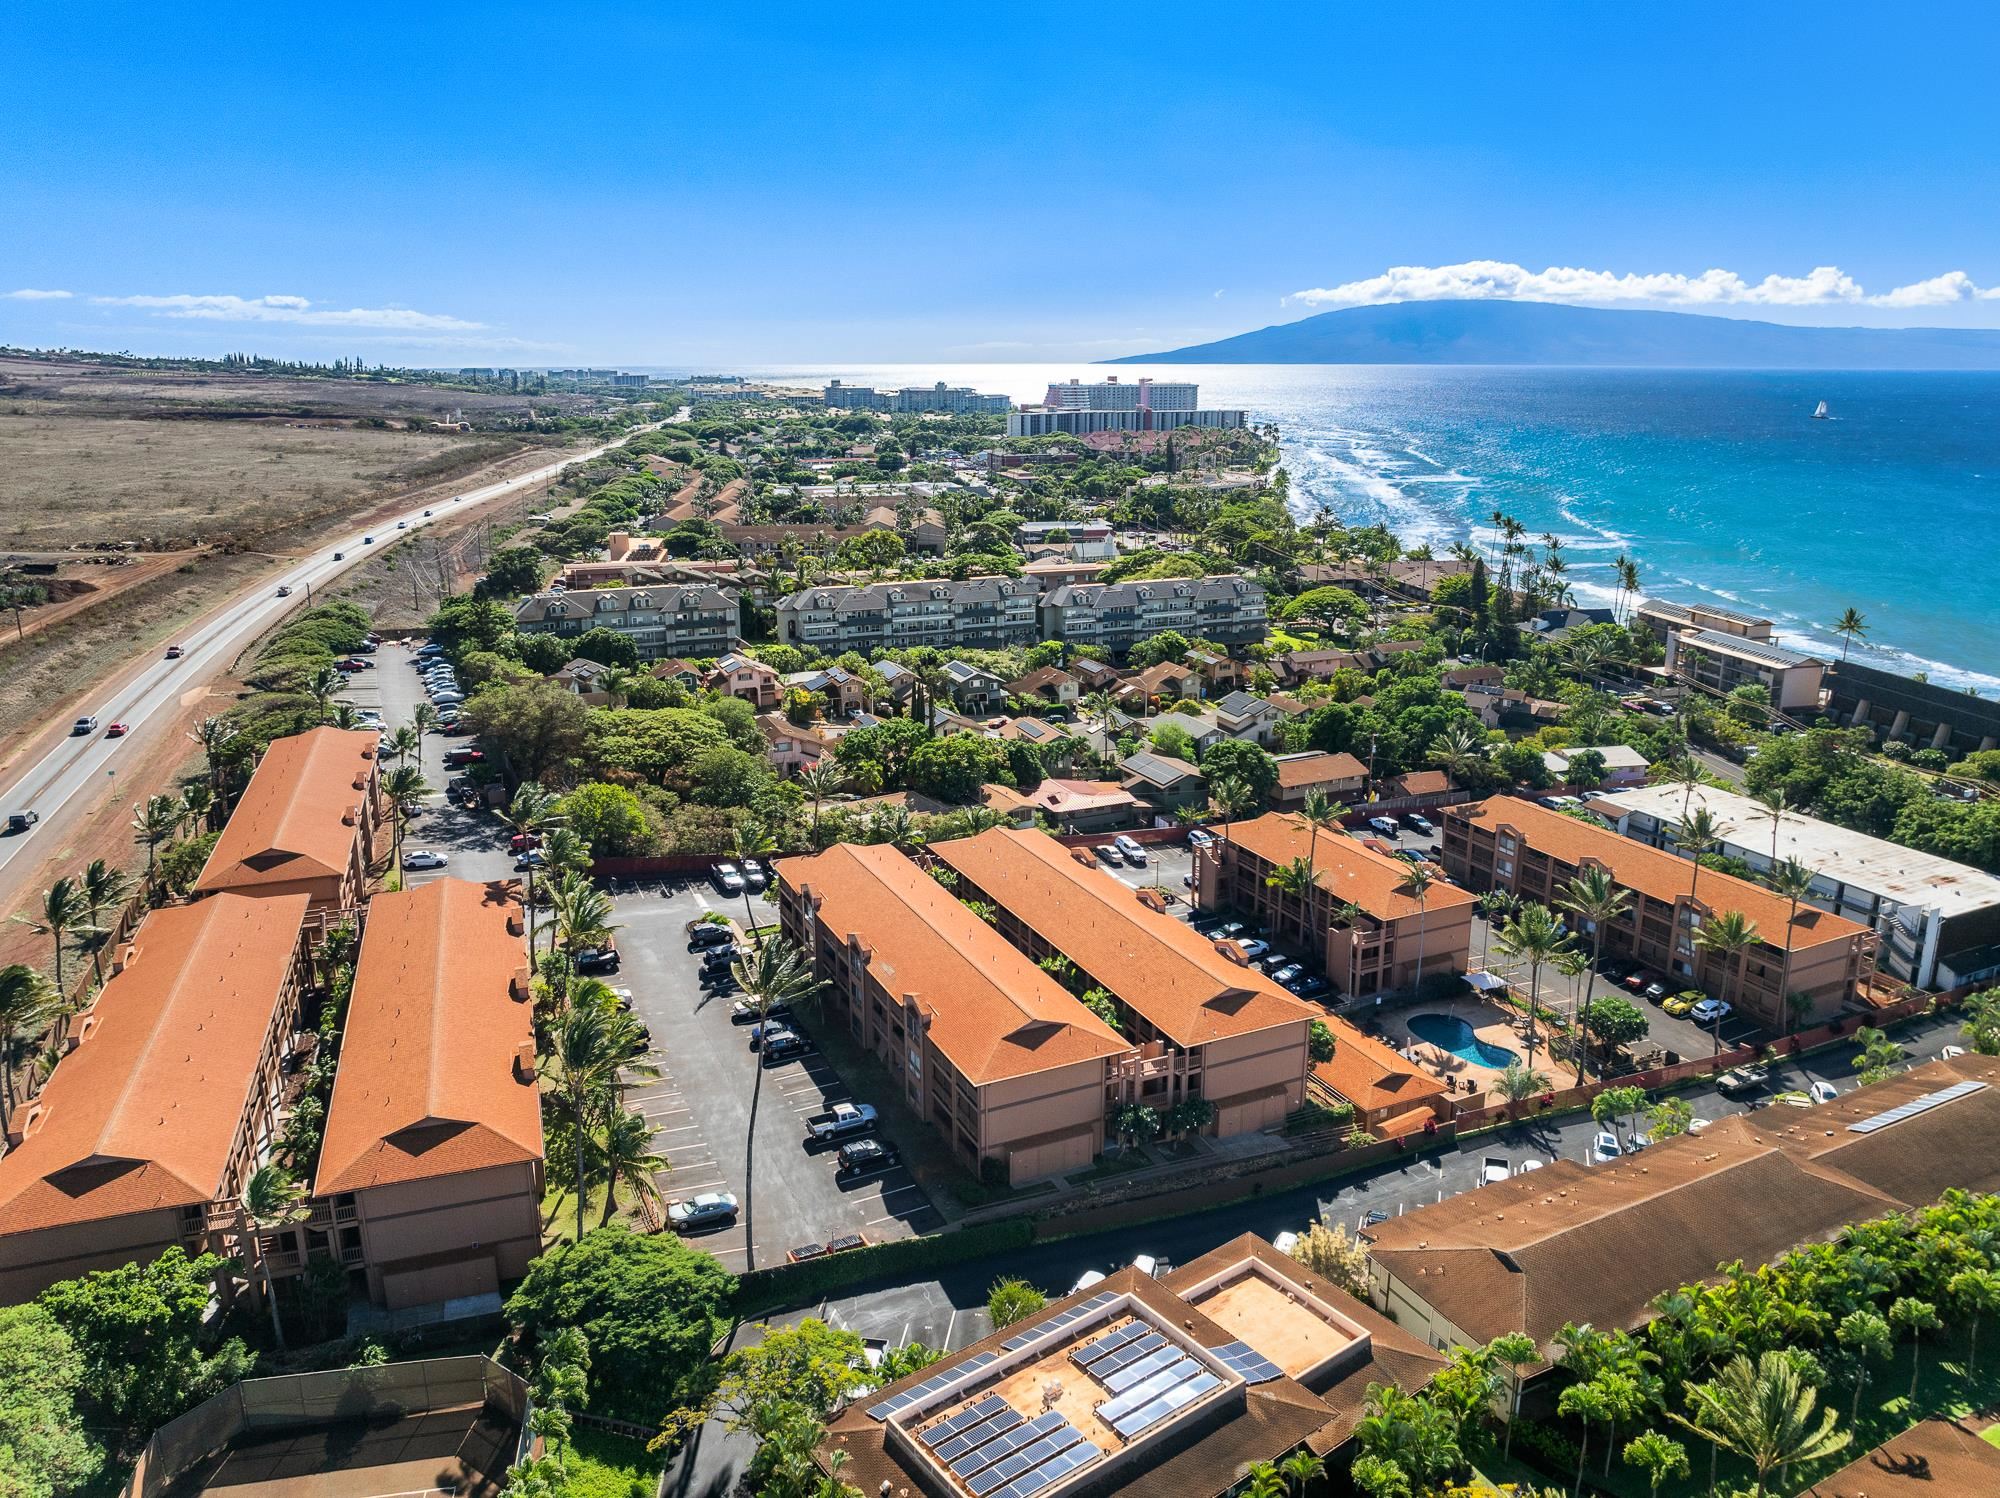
(1946, 1386)
(559, 1213)
(1991, 1435)
(598, 1464)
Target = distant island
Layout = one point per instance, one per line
(1540, 333)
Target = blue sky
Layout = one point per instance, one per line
(739, 185)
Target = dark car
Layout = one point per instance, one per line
(710, 934)
(742, 1012)
(642, 1041)
(864, 1158)
(597, 960)
(782, 1048)
(720, 956)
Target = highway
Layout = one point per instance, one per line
(74, 770)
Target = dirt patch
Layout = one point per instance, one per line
(70, 596)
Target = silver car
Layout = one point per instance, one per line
(709, 1210)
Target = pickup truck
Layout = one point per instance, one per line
(1744, 1078)
(842, 1121)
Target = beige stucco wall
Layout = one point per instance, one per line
(495, 1210)
(31, 1262)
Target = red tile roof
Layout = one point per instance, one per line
(1345, 867)
(144, 1113)
(428, 1084)
(296, 818)
(992, 1012)
(1157, 966)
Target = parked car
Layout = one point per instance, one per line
(1108, 856)
(755, 875)
(770, 1032)
(721, 956)
(863, 1158)
(1606, 1146)
(782, 1048)
(1134, 854)
(743, 1012)
(1085, 1280)
(1709, 1011)
(841, 1121)
(1252, 949)
(1822, 1092)
(1311, 988)
(728, 878)
(1494, 1168)
(1230, 930)
(444, 699)
(424, 858)
(710, 934)
(1743, 1078)
(1200, 838)
(1285, 976)
(1679, 1004)
(1416, 821)
(711, 1209)
(602, 959)
(458, 759)
(1384, 825)
(20, 821)
(82, 726)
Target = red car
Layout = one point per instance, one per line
(116, 731)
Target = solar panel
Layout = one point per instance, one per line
(1138, 1372)
(964, 1420)
(1248, 1363)
(1126, 1356)
(1157, 1409)
(1915, 1106)
(1010, 1440)
(964, 1447)
(1055, 1468)
(1110, 1342)
(1152, 1388)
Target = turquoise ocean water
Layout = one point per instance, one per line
(1718, 483)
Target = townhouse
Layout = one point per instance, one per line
(1361, 916)
(692, 619)
(985, 1046)
(1113, 617)
(1339, 776)
(1208, 1028)
(983, 613)
(169, 1096)
(305, 824)
(1819, 958)
(429, 1183)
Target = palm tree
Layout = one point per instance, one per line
(346, 715)
(582, 914)
(1495, 902)
(28, 1004)
(820, 783)
(627, 1159)
(404, 788)
(1976, 1293)
(1729, 936)
(271, 1200)
(1907, 1313)
(1416, 884)
(425, 718)
(1295, 879)
(197, 806)
(1232, 795)
(1794, 881)
(1594, 898)
(1517, 1350)
(776, 973)
(404, 744)
(588, 1045)
(103, 887)
(1776, 802)
(1852, 625)
(214, 734)
(751, 839)
(531, 813)
(1322, 814)
(1518, 1083)
(1537, 936)
(1764, 1414)
(155, 821)
(1659, 1456)
(616, 683)
(65, 910)
(1695, 834)
(323, 685)
(1263, 1481)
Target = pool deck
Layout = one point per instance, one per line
(1493, 1023)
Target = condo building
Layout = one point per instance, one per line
(1113, 617)
(985, 613)
(943, 398)
(305, 824)
(1820, 959)
(663, 619)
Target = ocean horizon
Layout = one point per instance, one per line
(1718, 483)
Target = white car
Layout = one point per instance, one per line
(1708, 1011)
(1085, 1280)
(1822, 1092)
(728, 878)
(1285, 1242)
(1527, 1165)
(424, 858)
(1605, 1146)
(446, 699)
(1252, 949)
(1950, 1051)
(1135, 854)
(1197, 838)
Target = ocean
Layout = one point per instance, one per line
(1719, 484)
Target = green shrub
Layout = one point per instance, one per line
(601, 1465)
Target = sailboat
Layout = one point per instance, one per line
(1820, 412)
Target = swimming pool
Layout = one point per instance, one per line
(1449, 1032)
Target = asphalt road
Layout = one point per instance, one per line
(65, 777)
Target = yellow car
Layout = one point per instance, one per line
(1679, 1004)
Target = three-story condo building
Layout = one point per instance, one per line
(1114, 617)
(984, 613)
(662, 619)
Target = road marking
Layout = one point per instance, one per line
(701, 899)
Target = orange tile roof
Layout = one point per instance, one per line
(1927, 1461)
(1657, 874)
(1345, 867)
(144, 1113)
(1157, 966)
(291, 822)
(993, 1013)
(1372, 1075)
(427, 1085)
(1318, 769)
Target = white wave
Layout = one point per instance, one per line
(1423, 457)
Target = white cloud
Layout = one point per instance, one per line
(1499, 280)
(291, 309)
(29, 294)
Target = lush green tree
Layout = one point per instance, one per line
(608, 647)
(1515, 1351)
(466, 623)
(1763, 1412)
(727, 776)
(46, 1448)
(1330, 1251)
(512, 572)
(650, 1306)
(954, 768)
(1878, 1056)
(1614, 1020)
(142, 1332)
(1865, 1336)
(811, 1366)
(1334, 608)
(542, 654)
(610, 818)
(272, 1199)
(1659, 1456)
(1010, 1300)
(1670, 1116)
(1320, 1040)
(1237, 760)
(29, 1004)
(537, 725)
(1909, 1314)
(1170, 645)
(879, 755)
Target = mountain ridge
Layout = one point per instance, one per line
(1551, 335)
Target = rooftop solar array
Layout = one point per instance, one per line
(936, 1383)
(1915, 1106)
(1025, 1458)
(1075, 1313)
(1128, 1352)
(962, 1450)
(1144, 1404)
(1141, 1368)
(1247, 1362)
(965, 1419)
(1110, 1342)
